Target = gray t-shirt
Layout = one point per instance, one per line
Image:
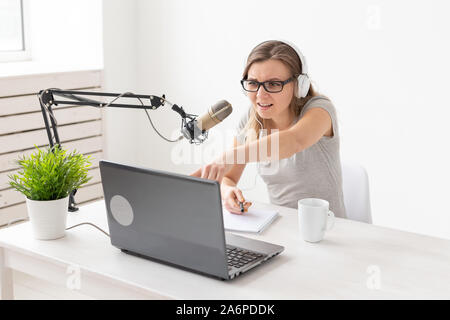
(312, 173)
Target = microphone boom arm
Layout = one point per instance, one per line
(47, 100)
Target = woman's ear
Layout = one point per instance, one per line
(296, 93)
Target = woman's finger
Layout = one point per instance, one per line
(239, 195)
(232, 208)
(212, 173)
(234, 199)
(197, 173)
(205, 171)
(231, 203)
(220, 174)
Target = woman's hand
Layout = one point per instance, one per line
(231, 196)
(213, 171)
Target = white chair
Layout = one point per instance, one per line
(356, 192)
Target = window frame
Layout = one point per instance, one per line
(22, 55)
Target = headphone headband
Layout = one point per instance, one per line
(303, 79)
(297, 51)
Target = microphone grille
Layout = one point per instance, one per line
(220, 110)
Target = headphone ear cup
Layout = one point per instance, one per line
(303, 85)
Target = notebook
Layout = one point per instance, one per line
(255, 220)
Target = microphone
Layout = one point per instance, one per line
(196, 130)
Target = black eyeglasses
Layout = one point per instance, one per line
(272, 86)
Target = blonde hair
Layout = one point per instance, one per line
(286, 54)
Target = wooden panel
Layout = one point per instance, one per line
(91, 192)
(89, 145)
(32, 121)
(95, 174)
(30, 103)
(21, 104)
(29, 84)
(86, 146)
(4, 180)
(25, 140)
(22, 128)
(13, 213)
(95, 158)
(9, 197)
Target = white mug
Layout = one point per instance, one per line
(314, 218)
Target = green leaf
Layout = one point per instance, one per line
(50, 174)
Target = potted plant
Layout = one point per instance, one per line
(46, 178)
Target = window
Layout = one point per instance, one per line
(14, 44)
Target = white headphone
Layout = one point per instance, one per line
(303, 79)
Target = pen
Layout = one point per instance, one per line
(241, 204)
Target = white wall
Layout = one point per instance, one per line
(383, 63)
(120, 75)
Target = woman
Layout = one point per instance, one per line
(298, 121)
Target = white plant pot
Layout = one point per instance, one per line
(48, 218)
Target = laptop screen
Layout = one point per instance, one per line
(165, 216)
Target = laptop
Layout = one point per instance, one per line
(177, 220)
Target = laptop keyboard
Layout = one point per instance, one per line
(239, 257)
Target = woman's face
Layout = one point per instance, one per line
(271, 105)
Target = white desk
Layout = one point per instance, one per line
(343, 266)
